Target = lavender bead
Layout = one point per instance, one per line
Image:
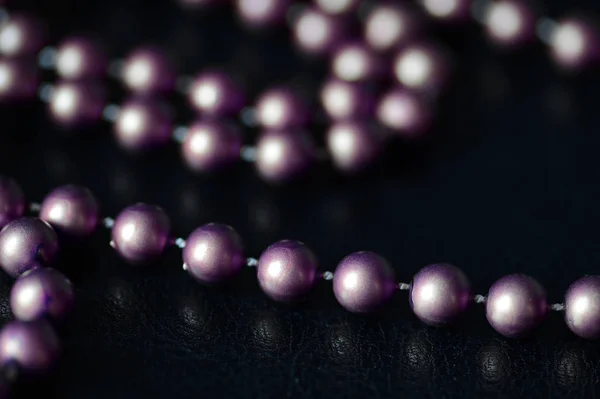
(142, 124)
(41, 293)
(79, 58)
(390, 26)
(12, 201)
(353, 146)
(404, 112)
(280, 108)
(33, 346)
(574, 45)
(18, 80)
(213, 253)
(71, 210)
(448, 10)
(509, 23)
(363, 282)
(346, 101)
(422, 67)
(147, 70)
(261, 13)
(337, 7)
(25, 243)
(516, 305)
(440, 294)
(76, 104)
(22, 35)
(282, 156)
(209, 146)
(287, 271)
(215, 94)
(582, 307)
(141, 233)
(355, 62)
(317, 33)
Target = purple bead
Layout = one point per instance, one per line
(211, 145)
(346, 100)
(25, 243)
(33, 346)
(582, 307)
(215, 94)
(79, 58)
(18, 80)
(147, 70)
(71, 210)
(337, 7)
(193, 4)
(355, 62)
(363, 282)
(141, 233)
(422, 67)
(12, 201)
(510, 23)
(574, 44)
(404, 112)
(317, 33)
(143, 123)
(280, 108)
(390, 26)
(213, 253)
(41, 293)
(440, 294)
(448, 10)
(21, 35)
(261, 13)
(287, 271)
(283, 155)
(353, 146)
(516, 304)
(76, 104)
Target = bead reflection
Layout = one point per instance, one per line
(268, 333)
(573, 367)
(342, 344)
(417, 357)
(495, 365)
(196, 316)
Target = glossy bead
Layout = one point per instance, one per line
(214, 94)
(25, 243)
(337, 7)
(18, 80)
(317, 33)
(355, 62)
(33, 346)
(80, 58)
(346, 100)
(390, 26)
(582, 307)
(261, 13)
(12, 201)
(213, 253)
(363, 282)
(516, 304)
(353, 146)
(142, 124)
(283, 155)
(287, 271)
(41, 293)
(280, 108)
(422, 67)
(440, 294)
(147, 70)
(210, 146)
(509, 23)
(574, 45)
(404, 112)
(448, 10)
(22, 35)
(141, 233)
(71, 210)
(76, 104)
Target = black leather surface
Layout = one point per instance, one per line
(508, 183)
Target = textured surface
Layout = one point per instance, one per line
(508, 183)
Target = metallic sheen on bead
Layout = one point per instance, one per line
(440, 294)
(337, 7)
(12, 201)
(262, 13)
(71, 210)
(355, 62)
(41, 293)
(422, 67)
(142, 123)
(574, 44)
(390, 26)
(287, 271)
(213, 253)
(209, 146)
(214, 94)
(363, 282)
(79, 58)
(283, 155)
(22, 35)
(353, 146)
(582, 307)
(317, 33)
(33, 346)
(25, 243)
(147, 70)
(516, 304)
(346, 100)
(280, 108)
(509, 23)
(18, 80)
(141, 233)
(448, 10)
(76, 104)
(404, 112)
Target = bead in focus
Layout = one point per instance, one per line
(18, 80)
(390, 26)
(215, 94)
(76, 104)
(143, 123)
(147, 70)
(574, 44)
(404, 112)
(12, 201)
(510, 23)
(346, 100)
(448, 10)
(283, 155)
(422, 67)
(32, 345)
(210, 146)
(79, 58)
(21, 36)
(582, 307)
(355, 62)
(71, 210)
(317, 33)
(281, 108)
(353, 146)
(262, 13)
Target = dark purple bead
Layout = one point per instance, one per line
(355, 62)
(12, 201)
(582, 307)
(283, 155)
(516, 304)
(574, 44)
(142, 124)
(287, 271)
(262, 13)
(18, 80)
(363, 282)
(41, 293)
(25, 243)
(448, 10)
(214, 94)
(79, 58)
(317, 33)
(422, 67)
(404, 112)
(281, 108)
(344, 101)
(22, 35)
(440, 294)
(353, 146)
(147, 70)
(510, 23)
(140, 233)
(33, 346)
(209, 146)
(213, 253)
(337, 7)
(71, 210)
(76, 104)
(390, 26)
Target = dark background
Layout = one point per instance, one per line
(508, 182)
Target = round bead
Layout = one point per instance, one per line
(213, 253)
(404, 112)
(509, 23)
(209, 146)
(215, 94)
(41, 293)
(353, 146)
(80, 58)
(12, 201)
(355, 62)
(516, 304)
(280, 108)
(337, 7)
(142, 124)
(582, 307)
(287, 271)
(193, 4)
(363, 282)
(71, 210)
(574, 45)
(439, 294)
(346, 100)
(422, 67)
(281, 156)
(33, 346)
(448, 10)
(147, 70)
(388, 27)
(141, 233)
(21, 35)
(262, 13)
(18, 80)
(76, 104)
(25, 243)
(317, 33)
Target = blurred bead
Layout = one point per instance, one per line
(516, 305)
(21, 35)
(336, 7)
(283, 155)
(261, 13)
(448, 10)
(355, 62)
(574, 45)
(316, 32)
(142, 124)
(280, 108)
(80, 58)
(141, 233)
(18, 80)
(71, 210)
(509, 23)
(33, 346)
(388, 27)
(210, 146)
(353, 146)
(147, 70)
(25, 243)
(346, 100)
(287, 271)
(405, 112)
(213, 253)
(12, 201)
(363, 282)
(76, 104)
(422, 67)
(215, 94)
(582, 307)
(440, 294)
(193, 4)
(42, 293)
